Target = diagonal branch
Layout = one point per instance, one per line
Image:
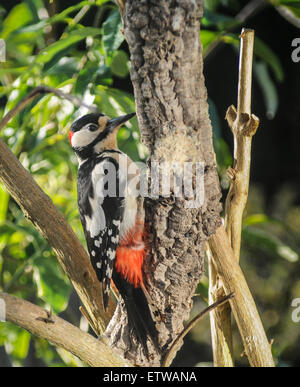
(256, 345)
(59, 332)
(39, 208)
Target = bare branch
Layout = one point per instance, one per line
(243, 126)
(59, 332)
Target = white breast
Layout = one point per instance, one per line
(129, 218)
(129, 171)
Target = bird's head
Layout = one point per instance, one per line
(93, 133)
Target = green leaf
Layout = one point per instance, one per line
(119, 64)
(86, 75)
(18, 17)
(267, 87)
(215, 119)
(112, 35)
(256, 219)
(104, 76)
(65, 43)
(211, 5)
(66, 66)
(4, 198)
(223, 154)
(231, 4)
(35, 6)
(268, 243)
(37, 27)
(202, 290)
(53, 286)
(207, 38)
(265, 53)
(218, 20)
(114, 102)
(17, 344)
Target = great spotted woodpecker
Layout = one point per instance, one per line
(112, 219)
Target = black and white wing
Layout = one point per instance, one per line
(101, 213)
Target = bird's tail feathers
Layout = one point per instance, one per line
(140, 319)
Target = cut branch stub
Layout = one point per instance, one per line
(243, 124)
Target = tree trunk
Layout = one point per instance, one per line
(171, 102)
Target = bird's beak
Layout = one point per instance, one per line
(117, 122)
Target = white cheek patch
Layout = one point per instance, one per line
(83, 138)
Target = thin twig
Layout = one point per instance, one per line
(190, 325)
(43, 90)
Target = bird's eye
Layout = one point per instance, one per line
(92, 127)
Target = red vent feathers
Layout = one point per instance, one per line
(130, 256)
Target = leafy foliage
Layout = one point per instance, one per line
(81, 49)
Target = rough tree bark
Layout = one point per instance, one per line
(171, 102)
